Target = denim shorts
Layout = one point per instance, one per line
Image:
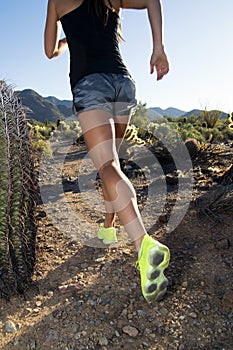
(113, 93)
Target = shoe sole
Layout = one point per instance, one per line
(106, 241)
(156, 285)
(109, 242)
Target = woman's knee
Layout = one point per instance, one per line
(112, 175)
(109, 168)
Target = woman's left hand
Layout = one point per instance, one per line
(159, 61)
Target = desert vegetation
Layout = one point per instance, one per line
(17, 196)
(66, 295)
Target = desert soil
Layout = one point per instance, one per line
(86, 296)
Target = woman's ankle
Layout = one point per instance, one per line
(138, 242)
(109, 222)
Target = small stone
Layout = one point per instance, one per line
(106, 265)
(18, 325)
(75, 328)
(207, 307)
(227, 301)
(152, 336)
(10, 327)
(131, 331)
(117, 334)
(193, 314)
(103, 341)
(77, 335)
(50, 336)
(124, 312)
(91, 302)
(101, 259)
(162, 218)
(32, 345)
(38, 303)
(69, 288)
(50, 293)
(145, 344)
(141, 312)
(105, 301)
(222, 244)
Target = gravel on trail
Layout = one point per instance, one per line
(85, 297)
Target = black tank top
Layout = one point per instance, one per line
(93, 45)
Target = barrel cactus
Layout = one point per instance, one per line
(17, 196)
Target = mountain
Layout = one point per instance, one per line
(41, 108)
(175, 113)
(58, 102)
(168, 112)
(51, 108)
(199, 112)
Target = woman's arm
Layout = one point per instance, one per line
(53, 46)
(158, 59)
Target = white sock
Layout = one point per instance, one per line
(139, 252)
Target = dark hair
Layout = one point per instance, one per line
(100, 8)
(102, 11)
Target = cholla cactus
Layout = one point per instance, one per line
(17, 196)
(230, 117)
(131, 135)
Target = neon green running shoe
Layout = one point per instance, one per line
(108, 235)
(153, 259)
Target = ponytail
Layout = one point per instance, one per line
(102, 11)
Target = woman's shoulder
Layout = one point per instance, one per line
(64, 6)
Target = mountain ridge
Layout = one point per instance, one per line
(51, 108)
(42, 108)
(169, 112)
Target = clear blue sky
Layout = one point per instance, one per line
(198, 39)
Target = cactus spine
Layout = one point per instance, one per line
(17, 196)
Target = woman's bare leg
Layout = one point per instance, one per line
(120, 125)
(100, 139)
(153, 257)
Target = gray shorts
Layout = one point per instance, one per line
(113, 93)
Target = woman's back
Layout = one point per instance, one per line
(93, 44)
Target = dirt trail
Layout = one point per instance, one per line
(87, 297)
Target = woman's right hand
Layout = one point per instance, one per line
(159, 62)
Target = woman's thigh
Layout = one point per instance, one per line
(99, 135)
(120, 123)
